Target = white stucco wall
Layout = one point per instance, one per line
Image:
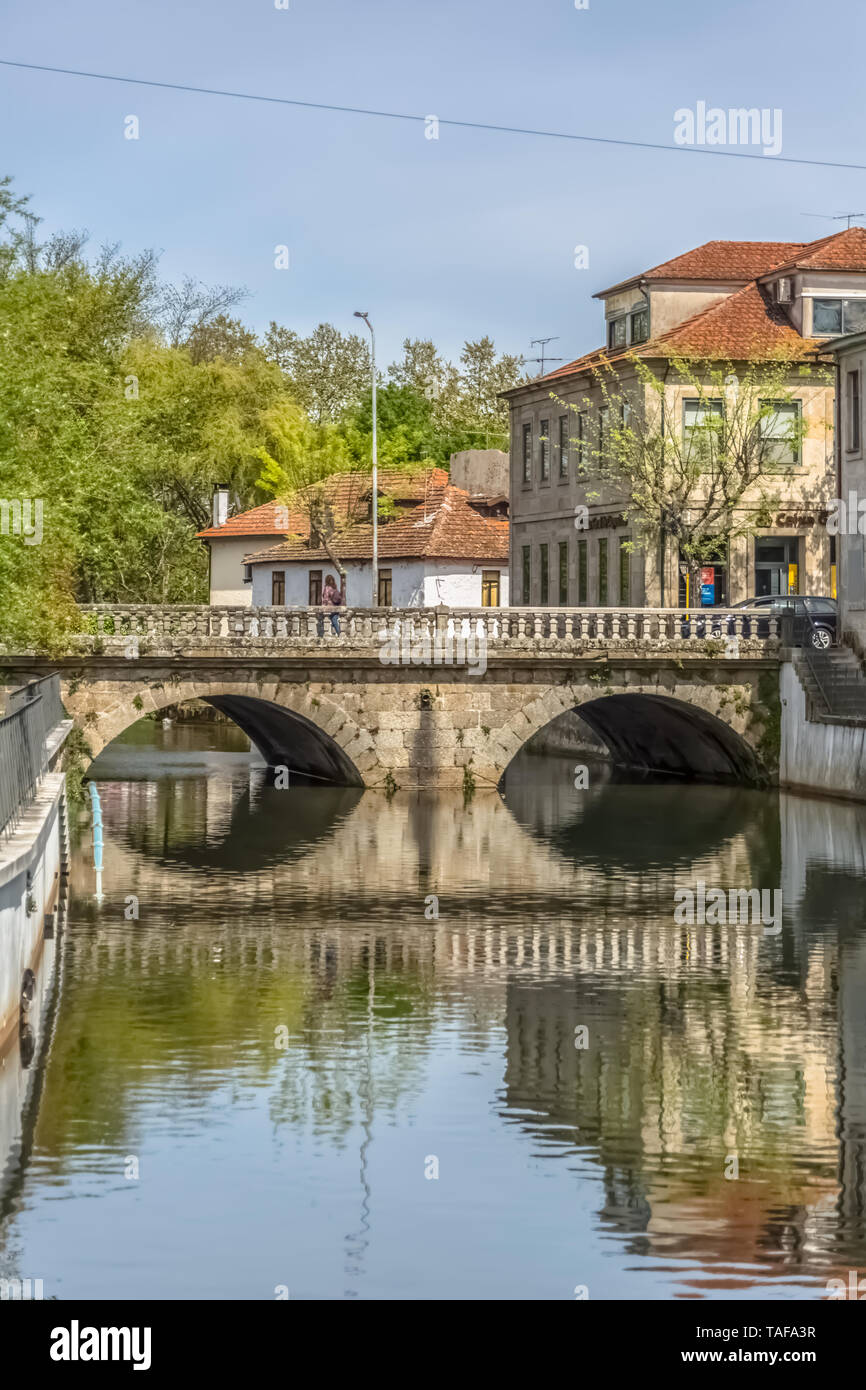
(226, 566)
(414, 583)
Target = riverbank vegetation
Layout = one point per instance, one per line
(124, 401)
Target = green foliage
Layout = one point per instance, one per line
(123, 402)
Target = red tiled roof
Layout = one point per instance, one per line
(745, 325)
(345, 492)
(447, 527)
(261, 521)
(719, 260)
(841, 251)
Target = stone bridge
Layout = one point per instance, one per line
(433, 697)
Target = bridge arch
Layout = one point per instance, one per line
(650, 732)
(291, 726)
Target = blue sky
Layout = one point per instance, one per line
(449, 239)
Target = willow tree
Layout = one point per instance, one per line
(693, 457)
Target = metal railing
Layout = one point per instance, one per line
(33, 712)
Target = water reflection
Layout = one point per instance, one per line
(288, 1035)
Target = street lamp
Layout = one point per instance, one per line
(366, 317)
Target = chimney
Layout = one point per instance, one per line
(220, 504)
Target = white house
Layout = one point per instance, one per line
(350, 496)
(450, 549)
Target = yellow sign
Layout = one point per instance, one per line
(833, 581)
(792, 579)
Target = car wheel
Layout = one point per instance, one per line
(820, 637)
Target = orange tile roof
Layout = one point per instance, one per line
(345, 492)
(841, 251)
(719, 260)
(447, 527)
(745, 325)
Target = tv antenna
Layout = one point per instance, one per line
(542, 343)
(834, 216)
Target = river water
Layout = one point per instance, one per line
(358, 1047)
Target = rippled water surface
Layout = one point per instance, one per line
(323, 1086)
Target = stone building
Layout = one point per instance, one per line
(725, 303)
(847, 520)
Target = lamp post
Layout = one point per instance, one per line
(366, 317)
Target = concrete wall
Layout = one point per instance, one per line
(851, 544)
(480, 471)
(29, 882)
(817, 756)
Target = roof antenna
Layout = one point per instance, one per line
(542, 343)
(834, 216)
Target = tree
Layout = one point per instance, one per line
(299, 463)
(184, 309)
(221, 337)
(327, 373)
(701, 485)
(470, 403)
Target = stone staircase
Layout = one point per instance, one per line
(834, 682)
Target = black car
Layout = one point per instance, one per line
(814, 619)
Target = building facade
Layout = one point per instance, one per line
(731, 303)
(847, 519)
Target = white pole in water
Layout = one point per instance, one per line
(366, 317)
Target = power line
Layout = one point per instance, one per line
(442, 120)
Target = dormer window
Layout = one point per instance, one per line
(832, 317)
(639, 325)
(616, 333)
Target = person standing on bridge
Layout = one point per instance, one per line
(332, 597)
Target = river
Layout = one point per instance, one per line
(320, 1043)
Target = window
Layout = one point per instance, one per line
(624, 572)
(278, 588)
(616, 333)
(490, 588)
(602, 570)
(853, 411)
(781, 428)
(563, 573)
(582, 585)
(835, 316)
(527, 575)
(544, 446)
(563, 447)
(315, 588)
(527, 455)
(544, 596)
(581, 442)
(639, 325)
(702, 421)
(384, 599)
(603, 426)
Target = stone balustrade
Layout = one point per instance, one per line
(202, 625)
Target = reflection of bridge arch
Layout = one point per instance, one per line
(311, 734)
(650, 732)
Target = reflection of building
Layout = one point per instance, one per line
(726, 303)
(702, 1042)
